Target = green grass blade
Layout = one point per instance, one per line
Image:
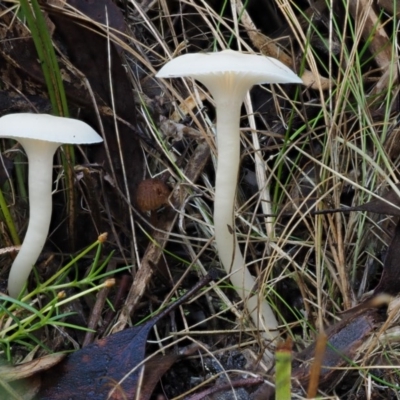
(283, 370)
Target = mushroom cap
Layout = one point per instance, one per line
(262, 69)
(152, 194)
(48, 128)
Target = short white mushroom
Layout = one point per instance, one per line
(40, 135)
(228, 75)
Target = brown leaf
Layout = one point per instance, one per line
(97, 64)
(154, 370)
(10, 373)
(374, 33)
(389, 204)
(344, 341)
(103, 64)
(390, 279)
(23, 381)
(21, 69)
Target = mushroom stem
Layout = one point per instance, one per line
(228, 105)
(40, 156)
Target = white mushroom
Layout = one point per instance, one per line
(228, 75)
(40, 135)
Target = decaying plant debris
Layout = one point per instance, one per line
(318, 198)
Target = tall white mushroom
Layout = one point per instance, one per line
(40, 135)
(228, 75)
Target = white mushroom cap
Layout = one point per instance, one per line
(259, 69)
(48, 128)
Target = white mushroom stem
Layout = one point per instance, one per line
(228, 106)
(40, 156)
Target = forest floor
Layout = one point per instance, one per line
(316, 212)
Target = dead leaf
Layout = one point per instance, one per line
(187, 106)
(387, 204)
(390, 6)
(108, 368)
(157, 366)
(269, 47)
(107, 77)
(344, 340)
(22, 382)
(24, 389)
(390, 279)
(11, 373)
